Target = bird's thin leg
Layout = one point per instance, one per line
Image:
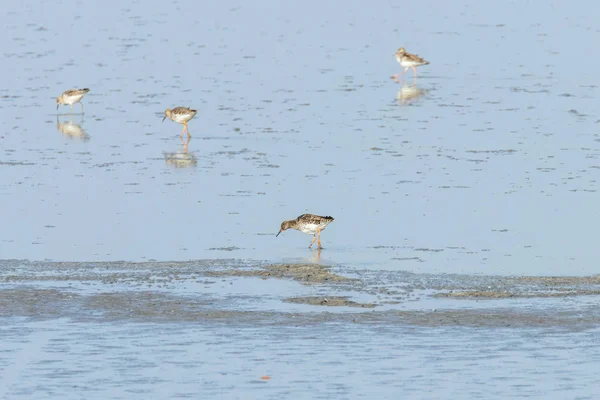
(81, 107)
(71, 105)
(405, 70)
(311, 243)
(319, 242)
(183, 130)
(414, 71)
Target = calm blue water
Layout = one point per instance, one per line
(124, 361)
(494, 166)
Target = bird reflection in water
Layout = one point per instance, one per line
(315, 257)
(181, 158)
(72, 130)
(409, 93)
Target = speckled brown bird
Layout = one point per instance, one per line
(180, 115)
(408, 60)
(71, 97)
(308, 223)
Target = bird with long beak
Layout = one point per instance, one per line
(181, 115)
(71, 97)
(308, 223)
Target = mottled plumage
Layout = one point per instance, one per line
(308, 223)
(181, 115)
(71, 97)
(408, 60)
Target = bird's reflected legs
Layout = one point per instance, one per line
(185, 144)
(316, 256)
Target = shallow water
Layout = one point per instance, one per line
(196, 360)
(485, 165)
(491, 170)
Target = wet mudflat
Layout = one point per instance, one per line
(278, 293)
(215, 327)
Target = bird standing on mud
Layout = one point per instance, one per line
(308, 223)
(71, 97)
(181, 115)
(407, 61)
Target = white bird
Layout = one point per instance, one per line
(71, 97)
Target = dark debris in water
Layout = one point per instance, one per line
(501, 151)
(230, 248)
(15, 163)
(332, 301)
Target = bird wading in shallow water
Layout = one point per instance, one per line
(407, 61)
(310, 224)
(71, 97)
(181, 115)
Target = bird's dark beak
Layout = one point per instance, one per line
(278, 233)
(165, 117)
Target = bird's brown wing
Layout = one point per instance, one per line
(415, 58)
(313, 219)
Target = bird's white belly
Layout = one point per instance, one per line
(408, 63)
(309, 229)
(72, 100)
(182, 118)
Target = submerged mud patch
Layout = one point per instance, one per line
(28, 301)
(560, 280)
(505, 295)
(520, 287)
(331, 301)
(303, 273)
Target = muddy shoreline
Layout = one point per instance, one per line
(152, 292)
(152, 307)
